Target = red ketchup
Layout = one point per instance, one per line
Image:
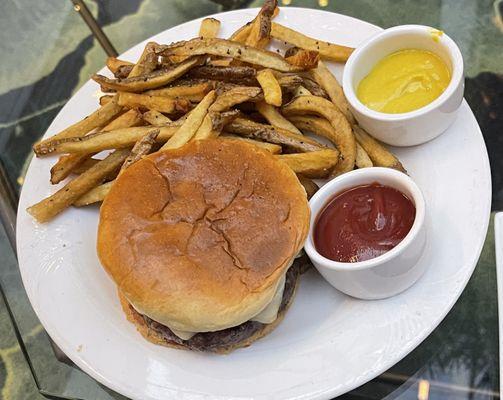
(363, 222)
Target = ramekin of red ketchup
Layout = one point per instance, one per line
(367, 232)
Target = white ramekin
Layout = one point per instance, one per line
(418, 126)
(388, 274)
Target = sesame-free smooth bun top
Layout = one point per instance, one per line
(197, 238)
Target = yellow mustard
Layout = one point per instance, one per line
(404, 81)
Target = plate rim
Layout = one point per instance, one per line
(410, 346)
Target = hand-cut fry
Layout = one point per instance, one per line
(141, 148)
(54, 204)
(270, 147)
(315, 164)
(123, 71)
(327, 81)
(159, 103)
(260, 29)
(242, 33)
(309, 186)
(66, 164)
(362, 158)
(114, 64)
(118, 139)
(98, 118)
(147, 62)
(236, 95)
(290, 83)
(379, 155)
(191, 124)
(105, 99)
(227, 48)
(213, 124)
(155, 118)
(238, 74)
(88, 163)
(192, 91)
(270, 87)
(126, 120)
(254, 130)
(345, 140)
(328, 50)
(150, 81)
(305, 59)
(274, 117)
(302, 91)
(314, 88)
(209, 28)
(95, 195)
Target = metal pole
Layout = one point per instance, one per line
(81, 8)
(8, 206)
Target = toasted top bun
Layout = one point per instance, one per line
(198, 237)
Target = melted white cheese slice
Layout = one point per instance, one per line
(270, 313)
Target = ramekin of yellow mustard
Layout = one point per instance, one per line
(405, 84)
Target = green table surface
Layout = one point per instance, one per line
(48, 53)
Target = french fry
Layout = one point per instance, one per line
(95, 195)
(314, 88)
(159, 103)
(209, 28)
(192, 91)
(63, 198)
(236, 95)
(260, 29)
(289, 83)
(270, 87)
(100, 117)
(274, 117)
(345, 140)
(302, 91)
(305, 59)
(84, 166)
(270, 147)
(309, 186)
(155, 118)
(254, 130)
(227, 48)
(315, 164)
(114, 64)
(118, 139)
(362, 158)
(242, 33)
(147, 62)
(191, 124)
(150, 81)
(141, 148)
(67, 164)
(123, 71)
(327, 81)
(238, 74)
(379, 155)
(328, 50)
(213, 124)
(106, 99)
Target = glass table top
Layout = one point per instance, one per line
(49, 52)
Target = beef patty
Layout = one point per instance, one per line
(236, 336)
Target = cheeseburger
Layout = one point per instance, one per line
(202, 243)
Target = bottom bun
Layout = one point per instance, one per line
(223, 341)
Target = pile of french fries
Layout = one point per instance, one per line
(209, 87)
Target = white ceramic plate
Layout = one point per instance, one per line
(328, 343)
